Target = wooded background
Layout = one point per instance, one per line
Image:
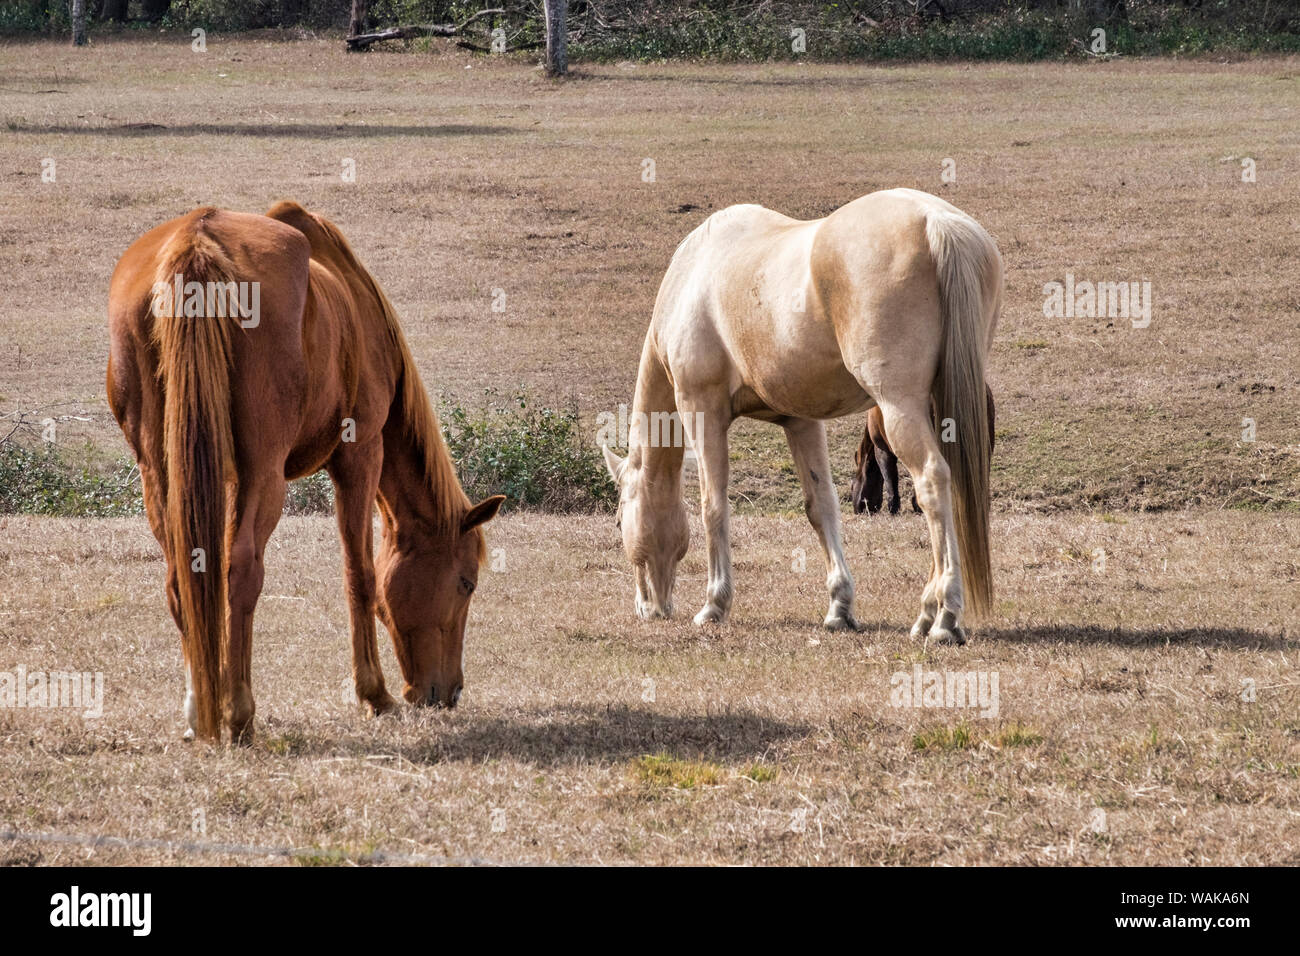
(743, 29)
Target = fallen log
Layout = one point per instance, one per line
(363, 40)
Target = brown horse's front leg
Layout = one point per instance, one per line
(355, 472)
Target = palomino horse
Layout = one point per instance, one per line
(249, 350)
(891, 300)
(875, 466)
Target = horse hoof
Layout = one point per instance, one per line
(188, 735)
(841, 622)
(381, 705)
(942, 635)
(709, 615)
(922, 627)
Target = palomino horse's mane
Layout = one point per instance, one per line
(449, 500)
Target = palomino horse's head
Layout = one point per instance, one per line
(425, 583)
(652, 518)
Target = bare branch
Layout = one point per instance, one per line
(364, 40)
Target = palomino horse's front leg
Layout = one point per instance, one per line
(807, 440)
(706, 425)
(355, 471)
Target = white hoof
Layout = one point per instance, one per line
(841, 621)
(710, 614)
(943, 635)
(191, 711)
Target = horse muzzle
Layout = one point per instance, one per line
(435, 697)
(648, 612)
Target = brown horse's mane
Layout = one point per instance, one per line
(449, 500)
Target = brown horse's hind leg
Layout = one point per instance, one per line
(257, 511)
(910, 433)
(807, 439)
(355, 472)
(155, 507)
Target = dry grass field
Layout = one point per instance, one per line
(764, 741)
(1125, 731)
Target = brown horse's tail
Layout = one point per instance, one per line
(970, 287)
(194, 369)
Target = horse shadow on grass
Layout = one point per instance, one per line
(844, 81)
(1211, 637)
(564, 736)
(268, 130)
(872, 630)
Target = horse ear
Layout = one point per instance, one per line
(481, 513)
(613, 463)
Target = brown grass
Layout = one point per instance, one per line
(765, 741)
(1120, 688)
(477, 174)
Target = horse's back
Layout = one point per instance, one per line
(268, 263)
(257, 249)
(737, 306)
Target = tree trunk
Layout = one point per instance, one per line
(358, 21)
(557, 54)
(78, 22)
(114, 10)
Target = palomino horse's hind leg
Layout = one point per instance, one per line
(355, 470)
(706, 426)
(912, 436)
(807, 439)
(257, 511)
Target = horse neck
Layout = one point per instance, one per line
(416, 513)
(660, 462)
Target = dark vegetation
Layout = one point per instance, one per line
(749, 29)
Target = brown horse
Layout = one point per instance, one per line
(875, 466)
(250, 350)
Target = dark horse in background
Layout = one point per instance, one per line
(250, 350)
(875, 466)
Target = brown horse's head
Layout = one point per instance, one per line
(652, 519)
(425, 583)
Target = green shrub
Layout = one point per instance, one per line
(33, 16)
(44, 481)
(533, 454)
(47, 481)
(530, 453)
(313, 495)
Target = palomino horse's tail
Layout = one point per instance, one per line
(970, 286)
(194, 368)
